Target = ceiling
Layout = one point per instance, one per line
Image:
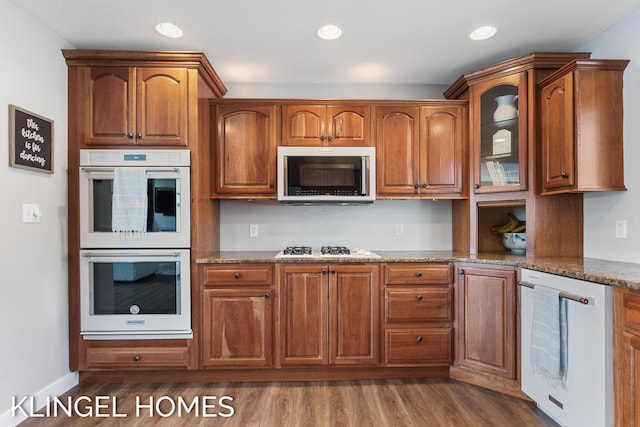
(390, 42)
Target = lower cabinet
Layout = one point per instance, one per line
(627, 356)
(117, 356)
(418, 314)
(237, 308)
(486, 307)
(329, 314)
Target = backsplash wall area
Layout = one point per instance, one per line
(424, 225)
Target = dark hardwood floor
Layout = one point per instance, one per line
(376, 403)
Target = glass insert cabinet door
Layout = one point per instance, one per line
(500, 134)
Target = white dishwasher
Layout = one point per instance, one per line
(585, 399)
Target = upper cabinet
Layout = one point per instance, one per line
(581, 127)
(124, 98)
(420, 150)
(326, 125)
(499, 137)
(245, 150)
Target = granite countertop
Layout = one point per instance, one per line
(612, 273)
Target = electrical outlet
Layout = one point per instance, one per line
(621, 229)
(399, 230)
(253, 230)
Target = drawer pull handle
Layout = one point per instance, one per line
(419, 297)
(419, 339)
(236, 275)
(267, 295)
(419, 273)
(136, 358)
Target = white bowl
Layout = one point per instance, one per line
(515, 242)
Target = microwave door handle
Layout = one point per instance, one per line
(91, 170)
(130, 254)
(363, 176)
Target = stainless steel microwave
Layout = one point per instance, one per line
(326, 175)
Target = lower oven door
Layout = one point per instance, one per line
(135, 294)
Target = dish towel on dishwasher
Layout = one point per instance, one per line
(129, 204)
(549, 352)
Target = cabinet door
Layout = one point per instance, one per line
(348, 125)
(109, 109)
(499, 134)
(162, 106)
(397, 151)
(304, 125)
(557, 129)
(442, 132)
(237, 328)
(246, 139)
(354, 314)
(303, 314)
(485, 320)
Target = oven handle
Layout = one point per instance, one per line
(129, 254)
(91, 170)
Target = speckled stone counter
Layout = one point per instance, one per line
(594, 270)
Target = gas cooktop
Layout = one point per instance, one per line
(324, 252)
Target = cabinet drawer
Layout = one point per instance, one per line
(631, 304)
(419, 274)
(137, 357)
(238, 274)
(417, 304)
(418, 346)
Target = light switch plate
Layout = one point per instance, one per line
(30, 213)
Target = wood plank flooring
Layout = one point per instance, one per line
(374, 403)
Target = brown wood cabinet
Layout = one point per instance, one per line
(329, 314)
(486, 327)
(246, 137)
(237, 312)
(418, 314)
(136, 105)
(505, 161)
(321, 124)
(581, 127)
(123, 357)
(626, 358)
(420, 150)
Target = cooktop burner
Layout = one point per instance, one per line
(324, 252)
(297, 250)
(335, 250)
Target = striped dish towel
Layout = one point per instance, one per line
(549, 333)
(129, 204)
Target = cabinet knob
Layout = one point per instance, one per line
(419, 274)
(271, 185)
(333, 271)
(324, 271)
(136, 358)
(476, 186)
(236, 275)
(138, 135)
(267, 295)
(424, 185)
(130, 135)
(460, 272)
(417, 186)
(419, 297)
(322, 138)
(330, 138)
(419, 339)
(564, 175)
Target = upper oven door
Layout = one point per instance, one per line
(168, 209)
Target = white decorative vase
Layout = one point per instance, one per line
(506, 113)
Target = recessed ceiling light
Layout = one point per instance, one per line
(483, 33)
(329, 32)
(170, 30)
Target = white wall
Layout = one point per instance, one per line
(33, 265)
(601, 210)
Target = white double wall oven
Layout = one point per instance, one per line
(135, 284)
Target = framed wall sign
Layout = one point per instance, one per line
(30, 140)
